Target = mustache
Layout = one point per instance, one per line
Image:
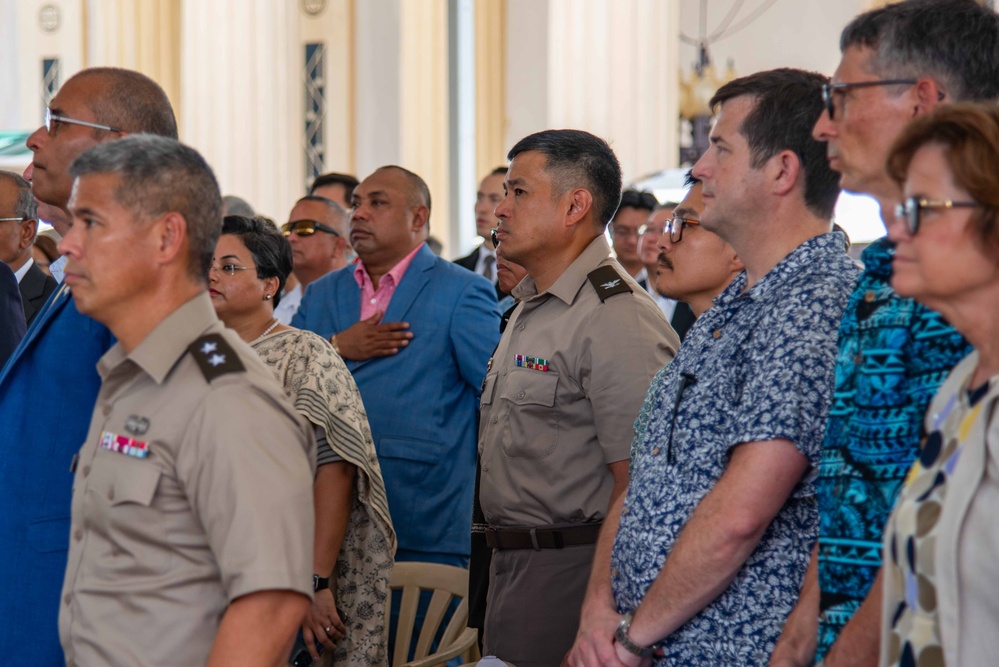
(665, 261)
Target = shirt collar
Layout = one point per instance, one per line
(799, 259)
(395, 273)
(567, 285)
(21, 272)
(877, 258)
(168, 342)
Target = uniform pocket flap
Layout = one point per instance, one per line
(531, 387)
(411, 449)
(135, 484)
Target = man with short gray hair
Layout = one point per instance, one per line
(177, 489)
(18, 227)
(897, 62)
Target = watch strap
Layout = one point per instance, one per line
(319, 583)
(622, 638)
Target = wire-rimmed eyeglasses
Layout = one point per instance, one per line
(52, 119)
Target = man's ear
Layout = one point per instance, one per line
(29, 229)
(580, 204)
(171, 234)
(783, 171)
(927, 95)
(421, 216)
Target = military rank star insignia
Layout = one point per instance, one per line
(215, 357)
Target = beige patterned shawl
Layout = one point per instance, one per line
(324, 391)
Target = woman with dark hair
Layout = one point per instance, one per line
(941, 560)
(44, 252)
(354, 539)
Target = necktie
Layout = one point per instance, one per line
(489, 268)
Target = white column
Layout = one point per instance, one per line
(241, 99)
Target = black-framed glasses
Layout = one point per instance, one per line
(675, 225)
(229, 268)
(911, 210)
(493, 237)
(306, 228)
(52, 119)
(828, 89)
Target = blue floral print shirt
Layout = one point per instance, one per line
(756, 366)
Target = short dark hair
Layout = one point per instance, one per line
(578, 159)
(158, 175)
(956, 42)
(348, 181)
(499, 171)
(270, 250)
(417, 184)
(25, 205)
(643, 201)
(787, 104)
(969, 134)
(131, 102)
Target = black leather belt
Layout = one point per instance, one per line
(542, 538)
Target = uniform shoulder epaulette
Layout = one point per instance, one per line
(608, 282)
(215, 356)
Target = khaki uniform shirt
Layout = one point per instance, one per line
(560, 399)
(193, 488)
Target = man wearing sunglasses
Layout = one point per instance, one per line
(49, 386)
(317, 232)
(897, 62)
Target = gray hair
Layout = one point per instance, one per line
(158, 175)
(956, 42)
(25, 206)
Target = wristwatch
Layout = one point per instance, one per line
(622, 638)
(319, 583)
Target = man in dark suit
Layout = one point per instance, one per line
(49, 386)
(11, 315)
(18, 227)
(482, 260)
(416, 332)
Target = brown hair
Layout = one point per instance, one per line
(969, 134)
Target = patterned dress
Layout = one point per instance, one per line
(756, 366)
(893, 356)
(911, 631)
(323, 391)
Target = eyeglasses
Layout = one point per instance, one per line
(623, 232)
(52, 119)
(229, 269)
(910, 209)
(829, 88)
(649, 230)
(306, 228)
(493, 237)
(675, 227)
(14, 219)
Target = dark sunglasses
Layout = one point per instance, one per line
(306, 228)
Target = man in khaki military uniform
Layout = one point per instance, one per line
(563, 390)
(192, 517)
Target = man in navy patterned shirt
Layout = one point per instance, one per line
(714, 533)
(893, 353)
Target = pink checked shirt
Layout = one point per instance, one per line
(372, 299)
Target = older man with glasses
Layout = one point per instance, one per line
(49, 385)
(317, 232)
(897, 63)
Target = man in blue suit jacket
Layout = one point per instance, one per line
(417, 333)
(48, 387)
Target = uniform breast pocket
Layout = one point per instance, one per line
(131, 530)
(533, 420)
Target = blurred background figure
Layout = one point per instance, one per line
(483, 259)
(44, 251)
(233, 205)
(18, 228)
(334, 186)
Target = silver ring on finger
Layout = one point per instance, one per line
(329, 629)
